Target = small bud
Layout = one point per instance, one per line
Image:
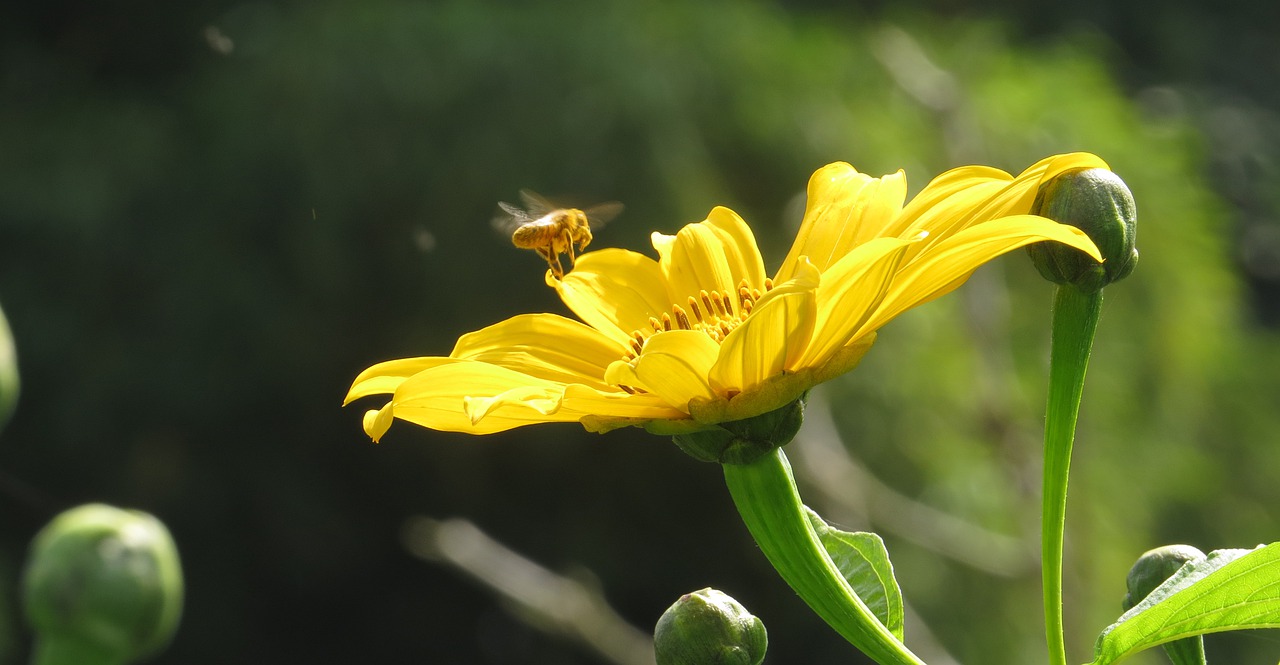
(102, 585)
(709, 627)
(747, 440)
(1150, 571)
(8, 372)
(1097, 202)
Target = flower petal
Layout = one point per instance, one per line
(546, 346)
(850, 292)
(674, 366)
(772, 338)
(948, 264)
(378, 421)
(614, 291)
(384, 377)
(713, 255)
(844, 209)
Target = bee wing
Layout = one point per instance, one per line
(535, 204)
(598, 215)
(508, 218)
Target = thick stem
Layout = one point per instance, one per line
(766, 496)
(1075, 319)
(70, 652)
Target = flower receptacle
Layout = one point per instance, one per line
(744, 441)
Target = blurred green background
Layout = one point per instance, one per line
(214, 214)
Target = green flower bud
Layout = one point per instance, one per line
(102, 585)
(1097, 202)
(1150, 571)
(8, 372)
(709, 627)
(747, 440)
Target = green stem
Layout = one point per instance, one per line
(766, 496)
(64, 651)
(1075, 319)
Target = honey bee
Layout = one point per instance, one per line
(552, 231)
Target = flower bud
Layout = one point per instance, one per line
(1150, 571)
(1097, 202)
(102, 585)
(8, 372)
(709, 627)
(747, 440)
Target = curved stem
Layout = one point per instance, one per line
(766, 496)
(1075, 319)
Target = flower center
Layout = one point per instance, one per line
(715, 313)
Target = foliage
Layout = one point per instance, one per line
(202, 240)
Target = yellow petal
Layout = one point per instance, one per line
(850, 292)
(546, 346)
(384, 377)
(773, 338)
(614, 291)
(949, 263)
(438, 398)
(378, 421)
(674, 366)
(714, 255)
(844, 209)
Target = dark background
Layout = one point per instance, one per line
(214, 214)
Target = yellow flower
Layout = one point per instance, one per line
(702, 335)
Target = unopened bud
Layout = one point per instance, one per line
(102, 585)
(1151, 570)
(709, 627)
(744, 441)
(8, 372)
(1097, 202)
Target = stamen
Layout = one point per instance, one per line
(628, 389)
(682, 319)
(748, 306)
(768, 284)
(666, 321)
(706, 301)
(719, 303)
(744, 296)
(655, 324)
(697, 312)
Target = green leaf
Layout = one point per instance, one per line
(1227, 590)
(864, 563)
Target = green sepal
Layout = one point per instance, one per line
(744, 441)
(1097, 202)
(864, 563)
(1227, 590)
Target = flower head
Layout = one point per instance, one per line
(703, 335)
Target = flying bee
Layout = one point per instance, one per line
(552, 231)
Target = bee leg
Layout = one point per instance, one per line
(568, 244)
(553, 261)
